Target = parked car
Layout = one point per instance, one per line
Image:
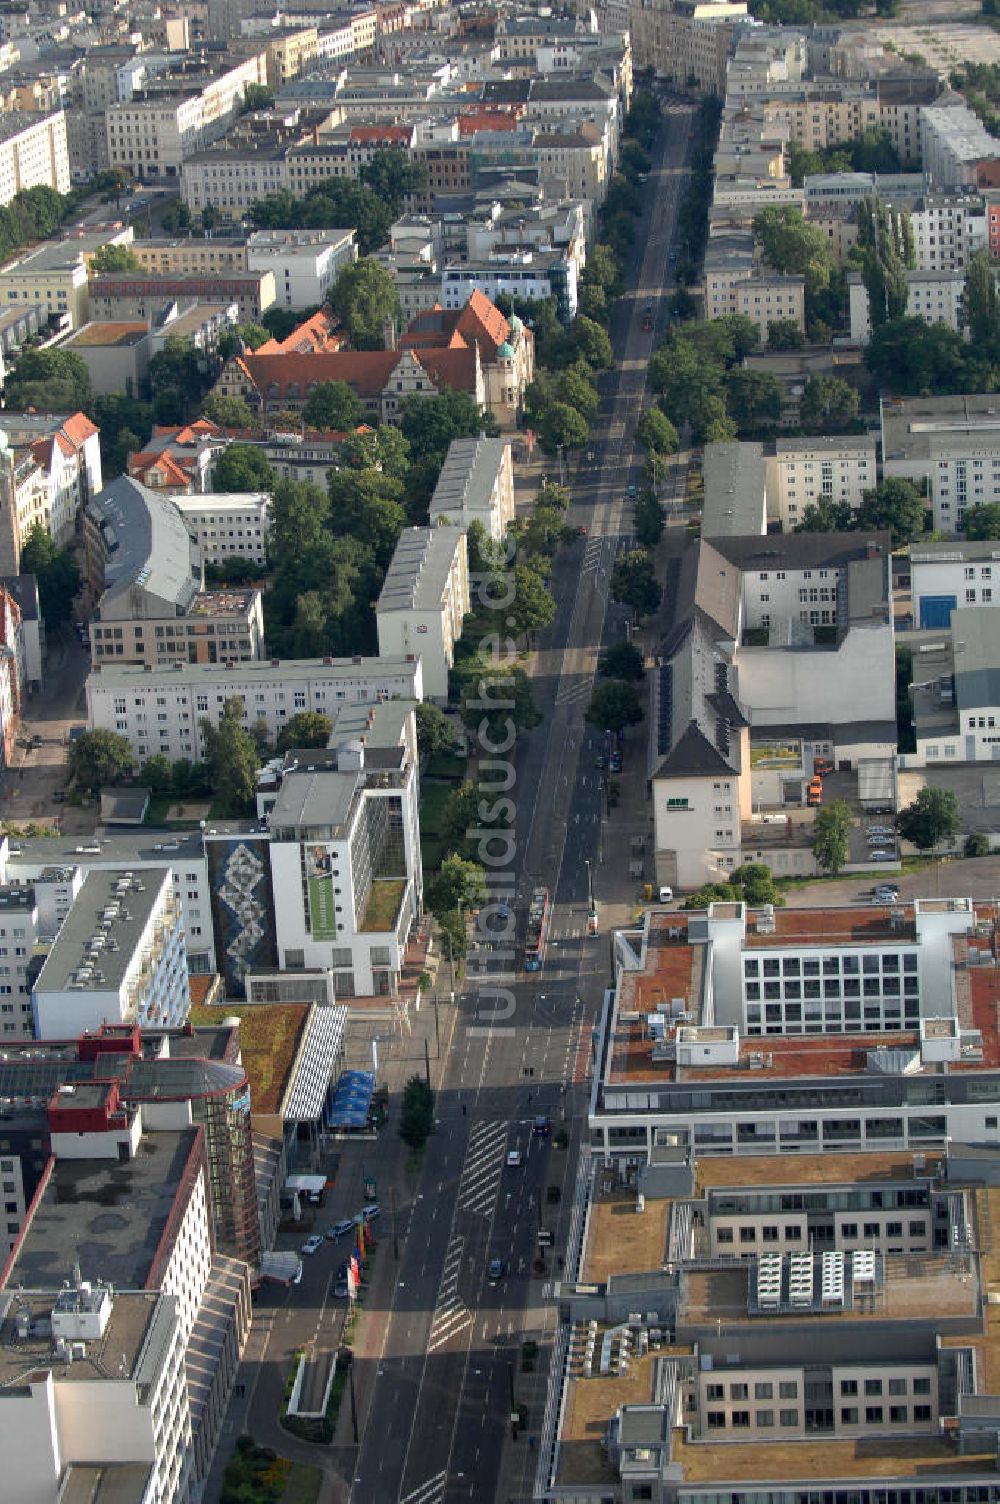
(339, 1229)
(312, 1245)
(666, 893)
(341, 1290)
(615, 762)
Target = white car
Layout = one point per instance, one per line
(311, 1245)
(515, 1159)
(666, 893)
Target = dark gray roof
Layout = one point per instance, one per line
(801, 550)
(843, 734)
(506, 90)
(147, 546)
(693, 755)
(24, 589)
(109, 1216)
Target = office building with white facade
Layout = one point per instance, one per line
(424, 600)
(20, 931)
(160, 710)
(954, 142)
(945, 576)
(118, 958)
(33, 153)
(305, 263)
(935, 297)
(227, 526)
(476, 483)
(948, 446)
(344, 851)
(783, 644)
(805, 472)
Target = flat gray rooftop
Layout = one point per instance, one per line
(421, 566)
(108, 1483)
(468, 475)
(111, 906)
(114, 1354)
(105, 1215)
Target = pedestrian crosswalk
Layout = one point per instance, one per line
(573, 690)
(431, 1492)
(483, 1167)
(451, 1315)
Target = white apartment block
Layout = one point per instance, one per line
(56, 870)
(762, 297)
(948, 229)
(935, 297)
(50, 467)
(945, 576)
(152, 136)
(535, 275)
(950, 445)
(232, 181)
(808, 471)
(476, 484)
(305, 263)
(953, 142)
(227, 526)
(424, 600)
(344, 855)
(19, 932)
(118, 958)
(161, 710)
(33, 153)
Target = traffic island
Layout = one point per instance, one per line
(257, 1475)
(313, 1391)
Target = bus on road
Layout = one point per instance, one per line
(539, 916)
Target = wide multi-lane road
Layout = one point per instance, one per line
(435, 1429)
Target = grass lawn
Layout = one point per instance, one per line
(433, 798)
(383, 905)
(269, 1041)
(447, 767)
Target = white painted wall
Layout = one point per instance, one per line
(855, 682)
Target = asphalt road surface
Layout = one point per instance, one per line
(435, 1430)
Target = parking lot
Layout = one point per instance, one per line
(976, 785)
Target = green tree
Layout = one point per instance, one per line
(933, 819)
(158, 774)
(828, 517)
(364, 505)
(633, 582)
(794, 247)
(885, 251)
(56, 572)
(416, 1113)
(982, 522)
(435, 736)
(229, 412)
(243, 467)
(430, 423)
(576, 388)
(592, 343)
(533, 605)
(177, 380)
(656, 432)
(393, 175)
(561, 427)
(831, 835)
(383, 448)
(309, 728)
(828, 404)
(614, 704)
(622, 660)
(232, 758)
(649, 518)
(124, 424)
(912, 358)
(113, 258)
(980, 308)
(51, 381)
(603, 270)
(977, 843)
(755, 399)
(365, 298)
(98, 759)
(257, 97)
(458, 884)
(332, 404)
(552, 494)
(755, 882)
(784, 334)
(496, 699)
(458, 817)
(896, 505)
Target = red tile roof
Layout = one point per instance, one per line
(396, 135)
(480, 322)
(367, 371)
(78, 429)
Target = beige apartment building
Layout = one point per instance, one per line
(765, 298)
(33, 153)
(201, 257)
(820, 116)
(289, 55)
(809, 471)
